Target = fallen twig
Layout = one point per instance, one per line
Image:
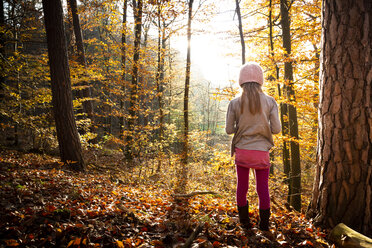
(196, 193)
(194, 234)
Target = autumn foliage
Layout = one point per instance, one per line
(43, 203)
(131, 135)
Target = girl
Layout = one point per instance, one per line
(252, 118)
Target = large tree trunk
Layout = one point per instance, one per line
(137, 8)
(85, 92)
(295, 170)
(342, 188)
(68, 137)
(240, 30)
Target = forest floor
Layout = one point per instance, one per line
(43, 204)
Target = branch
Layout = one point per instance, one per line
(196, 193)
(344, 236)
(194, 234)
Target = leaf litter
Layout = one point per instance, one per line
(43, 204)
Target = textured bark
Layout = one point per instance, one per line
(160, 78)
(68, 137)
(283, 107)
(85, 92)
(342, 189)
(295, 168)
(285, 151)
(137, 8)
(185, 151)
(240, 30)
(344, 236)
(2, 50)
(160, 71)
(123, 64)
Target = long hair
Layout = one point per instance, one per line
(251, 97)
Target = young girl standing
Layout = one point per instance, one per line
(252, 118)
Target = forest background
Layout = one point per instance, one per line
(131, 95)
(104, 81)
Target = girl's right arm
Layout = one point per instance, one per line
(230, 120)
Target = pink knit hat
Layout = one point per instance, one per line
(251, 72)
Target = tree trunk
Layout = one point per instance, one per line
(123, 66)
(186, 102)
(160, 72)
(2, 48)
(240, 31)
(137, 8)
(2, 54)
(295, 170)
(160, 79)
(342, 189)
(272, 78)
(68, 137)
(85, 92)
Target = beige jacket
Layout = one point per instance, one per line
(253, 132)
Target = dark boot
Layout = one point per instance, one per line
(264, 219)
(244, 216)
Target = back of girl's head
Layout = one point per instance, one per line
(251, 97)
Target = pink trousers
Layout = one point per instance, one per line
(262, 185)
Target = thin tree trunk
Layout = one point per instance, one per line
(295, 172)
(186, 101)
(160, 71)
(283, 106)
(160, 80)
(86, 91)
(2, 49)
(137, 8)
(271, 40)
(240, 31)
(342, 190)
(123, 65)
(68, 137)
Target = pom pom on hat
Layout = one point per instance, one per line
(251, 72)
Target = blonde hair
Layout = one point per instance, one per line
(251, 97)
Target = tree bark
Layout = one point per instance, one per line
(295, 169)
(85, 92)
(123, 65)
(137, 8)
(2, 50)
(68, 137)
(344, 236)
(283, 109)
(186, 100)
(240, 30)
(342, 189)
(283, 106)
(160, 71)
(160, 78)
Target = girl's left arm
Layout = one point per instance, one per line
(274, 119)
